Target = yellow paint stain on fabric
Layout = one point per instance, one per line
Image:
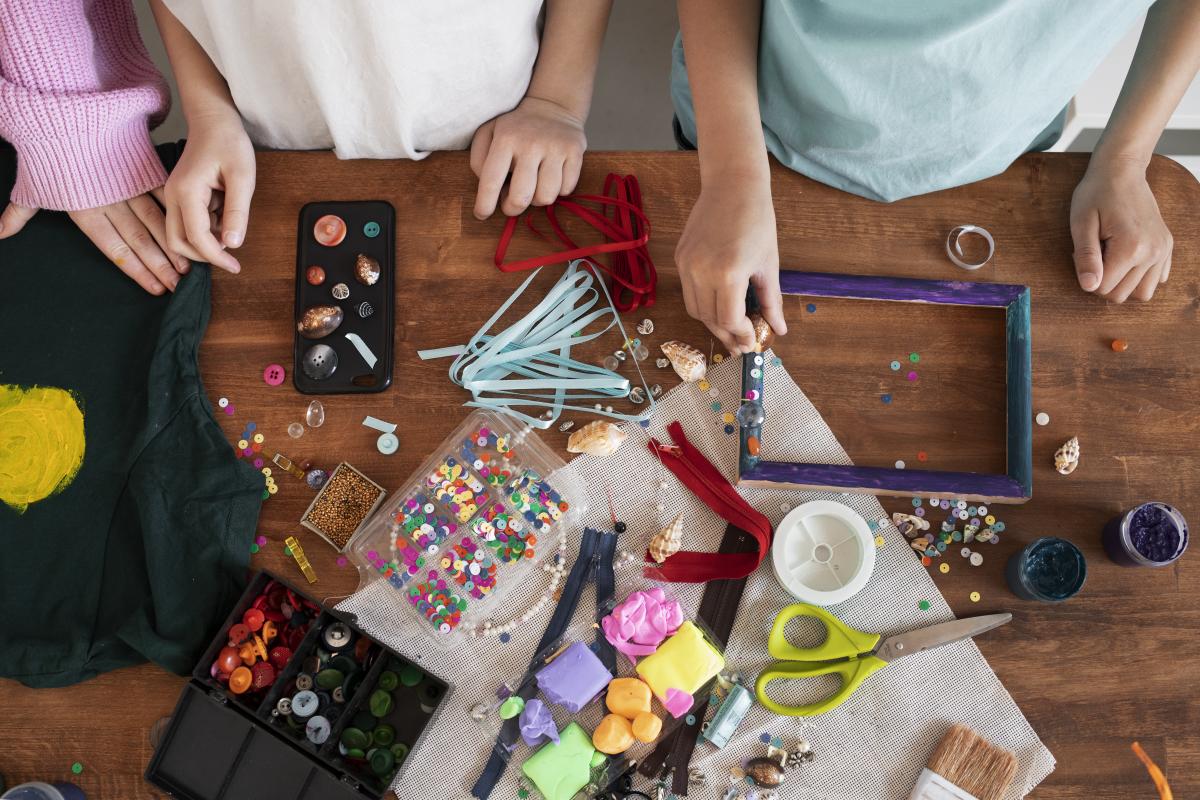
(41, 443)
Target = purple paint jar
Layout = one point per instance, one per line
(1048, 569)
(1150, 535)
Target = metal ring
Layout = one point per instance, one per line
(954, 246)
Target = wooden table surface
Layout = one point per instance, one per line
(1117, 663)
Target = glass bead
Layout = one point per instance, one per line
(295, 430)
(610, 363)
(662, 363)
(751, 414)
(315, 416)
(641, 352)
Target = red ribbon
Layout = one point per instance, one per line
(706, 481)
(620, 219)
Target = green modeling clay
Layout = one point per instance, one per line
(560, 770)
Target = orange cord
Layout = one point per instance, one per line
(1156, 774)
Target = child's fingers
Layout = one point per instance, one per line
(1089, 260)
(177, 236)
(731, 315)
(549, 182)
(571, 169)
(197, 226)
(770, 300)
(1166, 271)
(139, 239)
(491, 180)
(709, 314)
(480, 144)
(1121, 292)
(235, 215)
(97, 227)
(1121, 255)
(1150, 281)
(14, 218)
(151, 215)
(522, 185)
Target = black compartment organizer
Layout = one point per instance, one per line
(221, 746)
(352, 373)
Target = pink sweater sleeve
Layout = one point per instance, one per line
(78, 94)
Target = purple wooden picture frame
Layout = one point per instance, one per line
(1016, 486)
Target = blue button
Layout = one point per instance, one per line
(371, 230)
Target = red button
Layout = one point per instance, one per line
(330, 230)
(228, 659)
(238, 633)
(254, 619)
(274, 374)
(315, 275)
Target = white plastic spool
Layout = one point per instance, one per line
(823, 553)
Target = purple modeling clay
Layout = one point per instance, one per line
(574, 678)
(537, 723)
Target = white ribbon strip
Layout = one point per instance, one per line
(954, 245)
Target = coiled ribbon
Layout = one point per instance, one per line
(528, 365)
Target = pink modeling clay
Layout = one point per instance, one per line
(642, 622)
(678, 703)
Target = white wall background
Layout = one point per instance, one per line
(632, 107)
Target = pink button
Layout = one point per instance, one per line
(274, 374)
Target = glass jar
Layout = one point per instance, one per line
(1150, 535)
(1049, 570)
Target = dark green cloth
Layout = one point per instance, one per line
(145, 552)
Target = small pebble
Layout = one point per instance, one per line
(1119, 345)
(1042, 418)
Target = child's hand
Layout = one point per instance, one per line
(729, 241)
(132, 233)
(208, 193)
(1122, 246)
(541, 143)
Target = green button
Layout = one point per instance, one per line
(512, 707)
(382, 762)
(330, 678)
(371, 230)
(400, 751)
(381, 703)
(354, 738)
(411, 675)
(383, 735)
(388, 680)
(355, 752)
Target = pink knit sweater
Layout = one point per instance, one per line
(78, 95)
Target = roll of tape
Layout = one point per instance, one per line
(954, 246)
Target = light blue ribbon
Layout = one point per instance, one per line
(529, 364)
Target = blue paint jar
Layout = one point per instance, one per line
(1049, 570)
(1150, 535)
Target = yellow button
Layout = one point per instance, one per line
(729, 418)
(243, 444)
(704, 385)
(718, 358)
(974, 597)
(944, 568)
(272, 488)
(989, 519)
(880, 541)
(266, 471)
(258, 438)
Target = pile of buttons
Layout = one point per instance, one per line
(471, 568)
(461, 492)
(417, 531)
(261, 645)
(317, 696)
(503, 533)
(979, 525)
(368, 740)
(440, 606)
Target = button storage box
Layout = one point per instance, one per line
(338, 721)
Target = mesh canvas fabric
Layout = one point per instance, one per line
(872, 747)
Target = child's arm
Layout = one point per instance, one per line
(1122, 246)
(729, 240)
(215, 174)
(542, 141)
(78, 93)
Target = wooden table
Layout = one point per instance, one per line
(1117, 663)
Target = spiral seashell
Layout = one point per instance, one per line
(688, 362)
(597, 438)
(365, 309)
(319, 321)
(1066, 458)
(667, 542)
(366, 270)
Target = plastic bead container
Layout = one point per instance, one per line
(480, 515)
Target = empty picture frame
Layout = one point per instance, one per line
(1014, 487)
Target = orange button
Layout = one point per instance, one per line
(240, 680)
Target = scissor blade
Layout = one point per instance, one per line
(906, 644)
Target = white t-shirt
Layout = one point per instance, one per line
(368, 78)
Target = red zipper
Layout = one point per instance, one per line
(698, 474)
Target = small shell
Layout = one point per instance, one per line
(764, 772)
(366, 270)
(320, 321)
(763, 334)
(597, 438)
(689, 363)
(1066, 459)
(667, 542)
(909, 524)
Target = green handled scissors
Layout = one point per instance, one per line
(850, 654)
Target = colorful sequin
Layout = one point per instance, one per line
(437, 602)
(457, 488)
(470, 567)
(504, 532)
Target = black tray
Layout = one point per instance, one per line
(220, 747)
(352, 376)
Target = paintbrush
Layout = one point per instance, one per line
(965, 766)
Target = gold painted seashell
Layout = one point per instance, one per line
(366, 270)
(667, 542)
(1066, 458)
(909, 524)
(688, 362)
(764, 335)
(597, 438)
(320, 321)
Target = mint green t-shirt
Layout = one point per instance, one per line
(893, 98)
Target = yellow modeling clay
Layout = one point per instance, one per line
(685, 662)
